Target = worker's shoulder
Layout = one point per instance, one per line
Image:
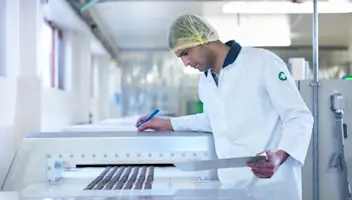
(260, 52)
(257, 60)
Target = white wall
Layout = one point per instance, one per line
(22, 103)
(72, 106)
(20, 88)
(114, 84)
(2, 38)
(26, 104)
(101, 105)
(58, 109)
(7, 101)
(62, 108)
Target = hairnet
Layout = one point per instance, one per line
(190, 31)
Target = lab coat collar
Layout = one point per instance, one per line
(231, 55)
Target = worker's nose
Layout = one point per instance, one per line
(185, 60)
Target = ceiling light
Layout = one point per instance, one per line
(279, 40)
(260, 36)
(284, 7)
(254, 30)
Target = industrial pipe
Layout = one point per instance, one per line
(89, 4)
(315, 85)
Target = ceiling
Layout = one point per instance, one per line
(138, 25)
(59, 12)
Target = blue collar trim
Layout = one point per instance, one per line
(231, 55)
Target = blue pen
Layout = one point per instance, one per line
(149, 117)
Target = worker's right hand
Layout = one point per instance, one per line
(156, 124)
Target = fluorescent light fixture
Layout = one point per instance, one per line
(258, 41)
(150, 78)
(264, 42)
(258, 36)
(284, 7)
(254, 30)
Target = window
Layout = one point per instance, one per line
(2, 39)
(51, 57)
(44, 55)
(60, 54)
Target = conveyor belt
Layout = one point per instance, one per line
(124, 177)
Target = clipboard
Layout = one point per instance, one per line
(219, 163)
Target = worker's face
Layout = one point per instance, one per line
(199, 57)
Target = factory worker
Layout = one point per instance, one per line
(251, 105)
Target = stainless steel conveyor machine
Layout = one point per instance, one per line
(97, 163)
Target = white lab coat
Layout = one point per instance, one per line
(252, 110)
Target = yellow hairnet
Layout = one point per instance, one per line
(190, 31)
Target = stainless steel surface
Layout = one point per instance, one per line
(8, 143)
(219, 163)
(47, 156)
(210, 192)
(329, 179)
(100, 127)
(199, 190)
(315, 102)
(338, 157)
(315, 41)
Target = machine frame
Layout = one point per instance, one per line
(45, 155)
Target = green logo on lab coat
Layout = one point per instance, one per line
(282, 76)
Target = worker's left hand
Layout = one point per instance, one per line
(267, 169)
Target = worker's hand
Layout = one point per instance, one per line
(155, 123)
(267, 169)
